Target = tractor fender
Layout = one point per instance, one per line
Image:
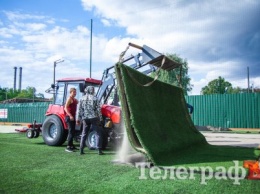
(58, 111)
(112, 112)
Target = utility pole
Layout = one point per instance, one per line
(90, 58)
(248, 87)
(54, 66)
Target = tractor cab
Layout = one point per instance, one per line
(62, 88)
(55, 132)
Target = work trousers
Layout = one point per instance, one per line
(94, 123)
(71, 132)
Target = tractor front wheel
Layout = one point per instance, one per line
(36, 134)
(53, 132)
(30, 133)
(91, 140)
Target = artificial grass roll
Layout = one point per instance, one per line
(157, 115)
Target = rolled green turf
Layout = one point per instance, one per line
(158, 123)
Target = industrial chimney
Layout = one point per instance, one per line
(20, 79)
(15, 69)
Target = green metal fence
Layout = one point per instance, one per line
(223, 110)
(226, 110)
(24, 112)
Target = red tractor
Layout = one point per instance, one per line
(54, 129)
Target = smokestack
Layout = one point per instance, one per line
(20, 79)
(15, 70)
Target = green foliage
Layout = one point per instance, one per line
(6, 93)
(10, 93)
(235, 90)
(3, 93)
(220, 86)
(251, 90)
(179, 76)
(29, 92)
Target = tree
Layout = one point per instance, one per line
(179, 76)
(6, 93)
(3, 93)
(256, 90)
(29, 93)
(251, 90)
(220, 86)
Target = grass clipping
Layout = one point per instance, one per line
(158, 123)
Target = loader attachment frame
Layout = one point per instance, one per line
(147, 57)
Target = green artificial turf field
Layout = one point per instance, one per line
(30, 166)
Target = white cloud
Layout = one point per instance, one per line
(14, 16)
(38, 47)
(106, 22)
(212, 35)
(35, 26)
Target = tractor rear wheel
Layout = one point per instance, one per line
(53, 132)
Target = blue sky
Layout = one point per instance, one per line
(218, 38)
